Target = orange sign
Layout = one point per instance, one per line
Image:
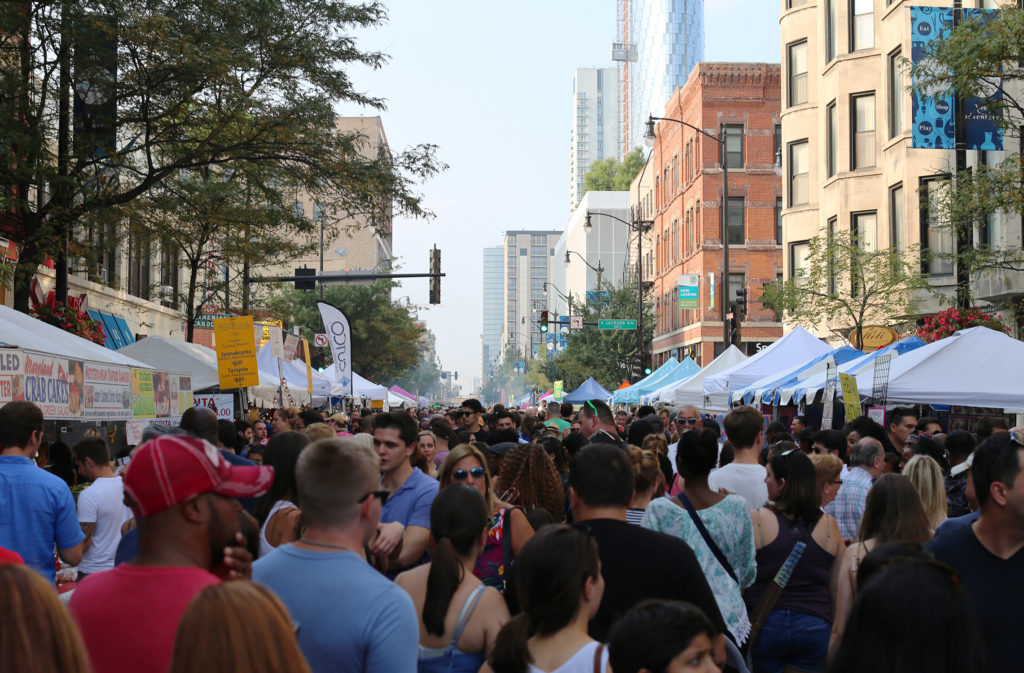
(874, 337)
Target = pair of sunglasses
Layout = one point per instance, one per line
(382, 495)
(460, 475)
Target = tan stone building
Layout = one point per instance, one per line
(846, 140)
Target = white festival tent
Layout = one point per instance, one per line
(691, 391)
(976, 367)
(197, 360)
(294, 380)
(361, 387)
(22, 330)
(793, 349)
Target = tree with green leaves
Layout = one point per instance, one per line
(610, 356)
(980, 56)
(387, 342)
(845, 285)
(612, 175)
(102, 102)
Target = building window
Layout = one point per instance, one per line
(734, 145)
(830, 232)
(797, 61)
(735, 215)
(778, 220)
(830, 30)
(799, 261)
(832, 149)
(777, 147)
(896, 94)
(863, 227)
(799, 181)
(935, 233)
(863, 129)
(897, 236)
(862, 24)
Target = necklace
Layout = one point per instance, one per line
(328, 545)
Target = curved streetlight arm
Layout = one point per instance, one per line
(552, 286)
(649, 135)
(595, 269)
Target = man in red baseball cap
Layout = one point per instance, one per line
(185, 498)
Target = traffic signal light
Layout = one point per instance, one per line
(734, 325)
(648, 363)
(304, 284)
(435, 281)
(543, 321)
(741, 301)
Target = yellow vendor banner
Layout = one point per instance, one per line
(309, 369)
(558, 391)
(236, 352)
(851, 397)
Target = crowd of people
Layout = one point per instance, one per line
(568, 539)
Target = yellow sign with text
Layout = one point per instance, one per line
(236, 352)
(851, 397)
(558, 391)
(309, 369)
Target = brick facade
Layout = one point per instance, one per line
(687, 210)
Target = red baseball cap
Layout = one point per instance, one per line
(169, 469)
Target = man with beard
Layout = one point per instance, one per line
(185, 498)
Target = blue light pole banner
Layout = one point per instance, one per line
(934, 122)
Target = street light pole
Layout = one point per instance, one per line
(598, 269)
(720, 139)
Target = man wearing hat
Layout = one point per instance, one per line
(339, 422)
(185, 498)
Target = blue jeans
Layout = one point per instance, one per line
(794, 640)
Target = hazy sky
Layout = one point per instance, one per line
(490, 83)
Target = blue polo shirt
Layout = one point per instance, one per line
(36, 510)
(410, 504)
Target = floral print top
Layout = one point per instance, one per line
(490, 564)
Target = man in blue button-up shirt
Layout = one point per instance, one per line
(867, 462)
(36, 507)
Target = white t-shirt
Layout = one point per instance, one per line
(746, 481)
(102, 504)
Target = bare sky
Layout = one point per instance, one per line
(490, 83)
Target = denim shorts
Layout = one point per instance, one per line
(794, 640)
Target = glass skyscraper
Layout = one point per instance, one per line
(494, 309)
(662, 41)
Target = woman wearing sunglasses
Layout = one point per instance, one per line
(508, 531)
(460, 617)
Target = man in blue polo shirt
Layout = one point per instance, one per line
(36, 507)
(404, 529)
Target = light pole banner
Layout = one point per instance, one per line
(339, 336)
(689, 291)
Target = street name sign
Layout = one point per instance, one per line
(616, 324)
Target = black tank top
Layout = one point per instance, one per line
(807, 590)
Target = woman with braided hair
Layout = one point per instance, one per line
(529, 479)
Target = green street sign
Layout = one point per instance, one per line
(616, 324)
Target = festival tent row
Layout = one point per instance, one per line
(649, 392)
(690, 391)
(764, 390)
(793, 349)
(631, 394)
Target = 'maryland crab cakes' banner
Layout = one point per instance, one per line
(55, 385)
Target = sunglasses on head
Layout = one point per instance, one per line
(382, 495)
(460, 475)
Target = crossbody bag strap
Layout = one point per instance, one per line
(715, 549)
(597, 658)
(764, 607)
(506, 545)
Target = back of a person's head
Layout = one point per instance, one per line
(92, 447)
(865, 451)
(886, 554)
(712, 424)
(552, 570)
(566, 409)
(37, 634)
(996, 460)
(201, 422)
(959, 445)
(926, 476)
(911, 617)
(775, 428)
(637, 431)
(529, 478)
(236, 626)
(332, 474)
(397, 420)
(228, 436)
(602, 411)
(893, 512)
(281, 453)
(18, 420)
(929, 446)
(654, 442)
(317, 431)
(800, 497)
(645, 467)
(602, 476)
(697, 453)
(309, 417)
(742, 424)
(657, 425)
(458, 518)
(653, 633)
(988, 426)
(644, 410)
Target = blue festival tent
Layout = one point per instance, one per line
(589, 390)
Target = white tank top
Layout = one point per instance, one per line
(266, 547)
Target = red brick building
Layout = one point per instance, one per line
(745, 98)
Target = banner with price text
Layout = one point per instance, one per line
(236, 352)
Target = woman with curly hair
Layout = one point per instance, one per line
(509, 530)
(529, 479)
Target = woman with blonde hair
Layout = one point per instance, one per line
(828, 471)
(508, 531)
(36, 633)
(237, 626)
(426, 446)
(648, 479)
(925, 474)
